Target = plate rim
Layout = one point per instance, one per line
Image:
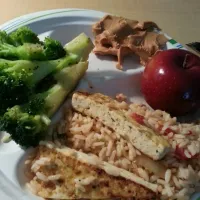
(21, 20)
(25, 19)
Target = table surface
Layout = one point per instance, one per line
(178, 18)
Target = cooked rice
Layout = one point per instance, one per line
(41, 176)
(121, 97)
(86, 181)
(181, 176)
(168, 175)
(183, 134)
(27, 162)
(54, 177)
(42, 161)
(143, 173)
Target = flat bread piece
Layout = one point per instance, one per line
(64, 173)
(106, 110)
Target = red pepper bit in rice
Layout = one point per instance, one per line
(190, 133)
(183, 154)
(138, 118)
(169, 131)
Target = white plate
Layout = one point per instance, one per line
(64, 25)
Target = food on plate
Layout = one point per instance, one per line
(81, 45)
(26, 106)
(102, 148)
(183, 137)
(121, 97)
(170, 81)
(19, 78)
(24, 44)
(110, 113)
(22, 35)
(176, 176)
(64, 173)
(27, 124)
(120, 37)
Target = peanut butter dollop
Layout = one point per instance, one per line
(120, 37)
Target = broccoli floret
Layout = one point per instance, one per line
(24, 35)
(24, 129)
(25, 52)
(53, 49)
(24, 44)
(28, 124)
(5, 38)
(19, 78)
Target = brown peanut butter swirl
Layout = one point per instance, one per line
(120, 37)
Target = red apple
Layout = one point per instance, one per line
(171, 82)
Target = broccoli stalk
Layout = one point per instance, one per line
(28, 124)
(81, 46)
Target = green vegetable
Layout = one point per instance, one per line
(26, 103)
(27, 124)
(53, 49)
(81, 46)
(24, 35)
(5, 38)
(23, 44)
(25, 52)
(6, 139)
(19, 78)
(24, 129)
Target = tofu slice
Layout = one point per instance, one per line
(106, 110)
(83, 176)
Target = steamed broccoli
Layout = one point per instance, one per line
(25, 45)
(53, 49)
(5, 38)
(27, 124)
(27, 121)
(24, 129)
(24, 35)
(81, 46)
(19, 78)
(25, 52)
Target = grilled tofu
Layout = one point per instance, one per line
(106, 110)
(83, 176)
